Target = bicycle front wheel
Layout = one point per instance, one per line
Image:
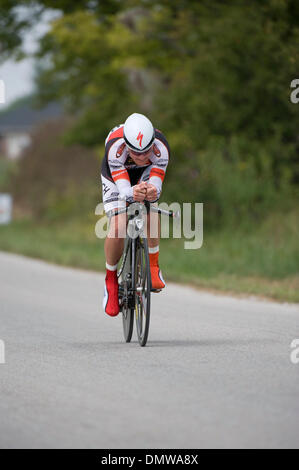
(143, 290)
(125, 287)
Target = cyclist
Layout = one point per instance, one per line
(133, 169)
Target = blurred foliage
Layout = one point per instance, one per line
(8, 170)
(213, 76)
(56, 181)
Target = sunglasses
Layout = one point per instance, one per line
(140, 154)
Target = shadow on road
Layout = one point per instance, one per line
(185, 343)
(210, 342)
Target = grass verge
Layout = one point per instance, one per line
(263, 262)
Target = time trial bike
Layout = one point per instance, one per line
(134, 277)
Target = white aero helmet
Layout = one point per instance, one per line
(139, 132)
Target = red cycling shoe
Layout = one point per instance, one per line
(110, 301)
(156, 275)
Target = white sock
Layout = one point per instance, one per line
(153, 250)
(110, 267)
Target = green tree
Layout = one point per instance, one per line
(214, 76)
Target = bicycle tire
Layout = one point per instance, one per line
(142, 276)
(124, 286)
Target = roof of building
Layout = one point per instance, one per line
(24, 116)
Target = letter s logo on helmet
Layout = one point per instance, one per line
(140, 137)
(139, 133)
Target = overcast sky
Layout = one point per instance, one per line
(17, 79)
(18, 76)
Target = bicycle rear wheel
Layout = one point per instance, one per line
(143, 290)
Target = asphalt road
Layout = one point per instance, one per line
(216, 372)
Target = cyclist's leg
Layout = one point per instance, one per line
(117, 226)
(153, 229)
(113, 245)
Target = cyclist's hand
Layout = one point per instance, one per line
(151, 193)
(139, 192)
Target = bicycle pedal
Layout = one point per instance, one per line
(155, 290)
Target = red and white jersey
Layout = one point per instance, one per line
(118, 165)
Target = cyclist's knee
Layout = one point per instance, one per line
(153, 225)
(117, 228)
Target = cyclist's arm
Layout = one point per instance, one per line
(159, 166)
(122, 180)
(119, 173)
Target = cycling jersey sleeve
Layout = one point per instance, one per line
(119, 173)
(159, 164)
